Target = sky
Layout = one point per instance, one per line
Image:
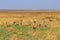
(30, 4)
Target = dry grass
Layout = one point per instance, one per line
(29, 26)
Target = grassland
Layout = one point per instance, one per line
(29, 25)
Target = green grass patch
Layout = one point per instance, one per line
(24, 29)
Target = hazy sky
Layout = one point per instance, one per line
(30, 4)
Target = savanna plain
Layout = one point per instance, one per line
(29, 25)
